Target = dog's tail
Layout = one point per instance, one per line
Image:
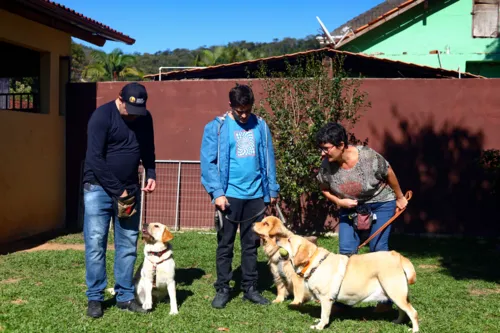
(411, 275)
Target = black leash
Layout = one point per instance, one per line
(249, 219)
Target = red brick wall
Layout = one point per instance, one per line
(431, 131)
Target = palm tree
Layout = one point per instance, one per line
(210, 58)
(115, 66)
(222, 55)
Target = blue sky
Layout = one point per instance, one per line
(158, 25)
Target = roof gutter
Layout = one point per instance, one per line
(74, 19)
(383, 19)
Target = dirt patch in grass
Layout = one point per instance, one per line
(19, 301)
(10, 281)
(429, 266)
(484, 292)
(61, 247)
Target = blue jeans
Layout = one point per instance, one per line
(349, 237)
(99, 209)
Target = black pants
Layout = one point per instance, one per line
(239, 210)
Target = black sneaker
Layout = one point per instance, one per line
(94, 309)
(253, 295)
(132, 306)
(221, 298)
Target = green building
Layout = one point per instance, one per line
(458, 35)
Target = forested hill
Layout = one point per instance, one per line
(93, 65)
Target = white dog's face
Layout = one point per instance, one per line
(156, 232)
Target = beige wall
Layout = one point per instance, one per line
(32, 146)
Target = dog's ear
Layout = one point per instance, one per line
(301, 257)
(167, 236)
(277, 228)
(312, 239)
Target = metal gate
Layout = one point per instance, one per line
(179, 200)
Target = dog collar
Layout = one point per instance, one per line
(158, 253)
(277, 248)
(306, 267)
(274, 251)
(304, 270)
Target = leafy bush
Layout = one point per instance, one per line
(490, 162)
(298, 101)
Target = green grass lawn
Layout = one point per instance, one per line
(457, 290)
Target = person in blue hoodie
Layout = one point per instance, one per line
(238, 170)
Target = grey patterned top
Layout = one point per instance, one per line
(366, 181)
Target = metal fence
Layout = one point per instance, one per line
(179, 201)
(27, 102)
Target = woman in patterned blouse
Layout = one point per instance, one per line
(351, 176)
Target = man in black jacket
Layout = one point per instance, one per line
(120, 134)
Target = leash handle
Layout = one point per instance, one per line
(408, 196)
(280, 213)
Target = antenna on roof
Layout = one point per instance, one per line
(326, 32)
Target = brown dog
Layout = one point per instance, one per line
(271, 230)
(330, 277)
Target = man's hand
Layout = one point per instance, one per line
(221, 203)
(273, 201)
(347, 203)
(150, 186)
(124, 194)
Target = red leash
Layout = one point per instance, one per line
(408, 196)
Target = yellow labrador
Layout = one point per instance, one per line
(369, 277)
(156, 276)
(271, 230)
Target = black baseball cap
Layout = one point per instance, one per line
(135, 96)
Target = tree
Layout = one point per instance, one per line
(115, 66)
(202, 56)
(209, 58)
(298, 101)
(222, 55)
(78, 61)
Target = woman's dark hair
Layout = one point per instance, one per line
(241, 95)
(333, 133)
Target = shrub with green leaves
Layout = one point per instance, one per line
(298, 101)
(490, 162)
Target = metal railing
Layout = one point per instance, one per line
(26, 102)
(179, 201)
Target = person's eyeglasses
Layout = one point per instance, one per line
(240, 112)
(325, 150)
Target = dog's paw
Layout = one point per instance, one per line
(111, 291)
(173, 312)
(147, 305)
(318, 327)
(295, 303)
(278, 300)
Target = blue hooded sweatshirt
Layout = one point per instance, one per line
(214, 159)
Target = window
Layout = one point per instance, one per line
(19, 79)
(485, 18)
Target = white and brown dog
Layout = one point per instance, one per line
(376, 276)
(155, 278)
